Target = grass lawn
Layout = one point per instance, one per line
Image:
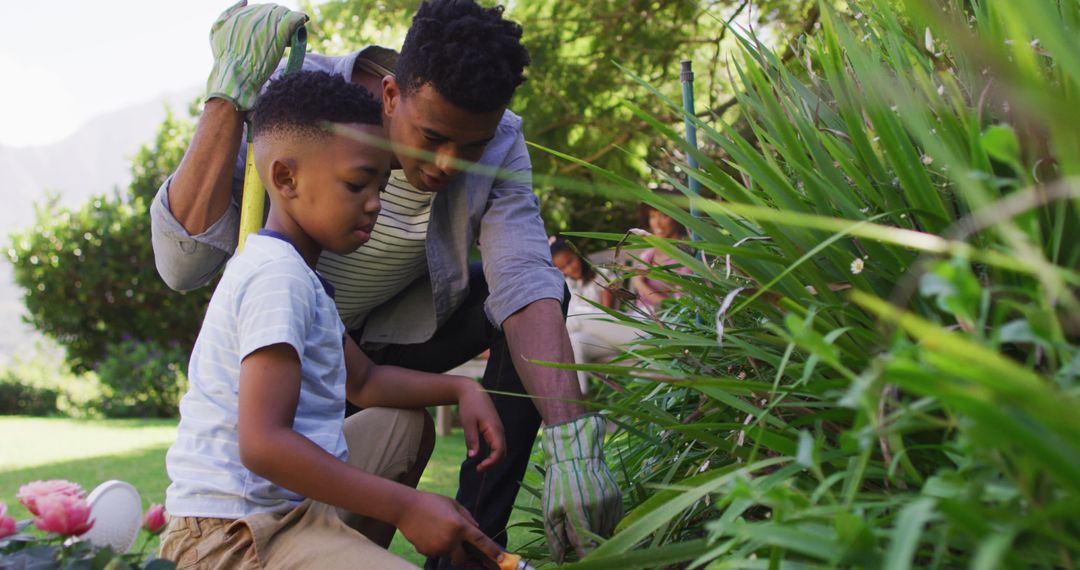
(92, 451)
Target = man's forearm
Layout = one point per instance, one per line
(201, 189)
(538, 332)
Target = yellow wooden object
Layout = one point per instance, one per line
(253, 204)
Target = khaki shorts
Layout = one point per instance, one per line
(381, 441)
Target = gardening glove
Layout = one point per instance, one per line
(248, 42)
(579, 492)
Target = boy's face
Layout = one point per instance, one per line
(426, 121)
(337, 189)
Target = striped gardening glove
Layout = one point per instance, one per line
(580, 495)
(248, 42)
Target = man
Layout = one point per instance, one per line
(426, 307)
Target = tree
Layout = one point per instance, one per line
(89, 273)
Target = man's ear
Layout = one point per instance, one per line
(391, 95)
(283, 177)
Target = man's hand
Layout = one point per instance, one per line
(247, 43)
(439, 526)
(579, 492)
(479, 419)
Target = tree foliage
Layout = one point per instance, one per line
(89, 274)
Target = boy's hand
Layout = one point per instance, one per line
(439, 526)
(478, 418)
(247, 43)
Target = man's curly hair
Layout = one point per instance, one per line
(306, 102)
(469, 54)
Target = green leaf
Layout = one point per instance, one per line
(908, 533)
(1001, 143)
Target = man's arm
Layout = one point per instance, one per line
(580, 496)
(538, 332)
(269, 447)
(201, 188)
(193, 230)
(526, 289)
(193, 221)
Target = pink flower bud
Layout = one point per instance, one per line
(7, 524)
(155, 518)
(63, 514)
(30, 493)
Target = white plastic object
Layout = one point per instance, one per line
(116, 509)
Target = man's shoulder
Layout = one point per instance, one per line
(510, 124)
(384, 60)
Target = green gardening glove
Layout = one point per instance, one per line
(248, 42)
(579, 492)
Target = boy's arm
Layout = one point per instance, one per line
(270, 448)
(371, 385)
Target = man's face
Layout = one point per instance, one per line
(426, 121)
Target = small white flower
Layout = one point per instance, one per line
(810, 289)
(1008, 42)
(1035, 43)
(857, 265)
(928, 41)
(941, 89)
(927, 159)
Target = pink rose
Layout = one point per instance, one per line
(154, 520)
(30, 493)
(63, 514)
(7, 524)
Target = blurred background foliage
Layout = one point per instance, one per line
(91, 285)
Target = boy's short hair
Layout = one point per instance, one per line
(305, 102)
(469, 54)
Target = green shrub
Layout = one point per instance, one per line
(88, 273)
(22, 399)
(875, 361)
(142, 379)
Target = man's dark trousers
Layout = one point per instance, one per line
(490, 495)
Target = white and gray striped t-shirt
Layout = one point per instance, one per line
(392, 259)
(267, 296)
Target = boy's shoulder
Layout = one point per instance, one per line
(265, 257)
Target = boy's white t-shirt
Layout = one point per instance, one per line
(267, 295)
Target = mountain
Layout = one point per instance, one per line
(96, 159)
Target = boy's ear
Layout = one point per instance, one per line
(283, 177)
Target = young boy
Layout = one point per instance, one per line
(263, 453)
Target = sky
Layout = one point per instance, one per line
(63, 62)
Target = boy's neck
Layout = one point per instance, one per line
(286, 226)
